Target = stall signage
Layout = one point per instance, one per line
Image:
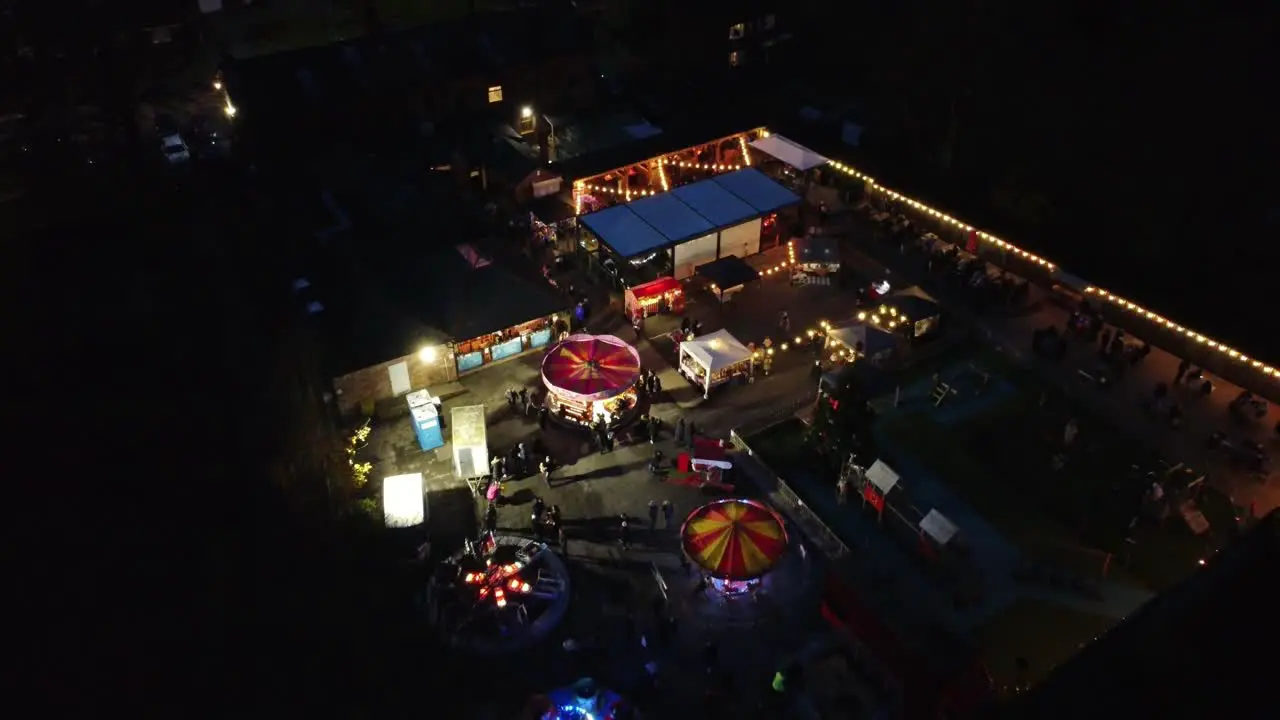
(514, 346)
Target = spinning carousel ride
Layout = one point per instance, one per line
(589, 376)
(499, 595)
(735, 542)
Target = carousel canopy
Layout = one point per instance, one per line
(789, 152)
(716, 350)
(757, 190)
(734, 539)
(591, 367)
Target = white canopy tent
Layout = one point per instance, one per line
(789, 152)
(882, 477)
(939, 527)
(714, 353)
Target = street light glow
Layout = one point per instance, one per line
(427, 354)
(526, 112)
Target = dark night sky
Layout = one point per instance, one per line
(1136, 143)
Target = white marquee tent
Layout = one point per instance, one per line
(789, 152)
(715, 353)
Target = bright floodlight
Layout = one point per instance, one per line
(402, 504)
(526, 112)
(427, 354)
(230, 109)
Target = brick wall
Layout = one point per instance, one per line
(359, 391)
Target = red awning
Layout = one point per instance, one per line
(656, 287)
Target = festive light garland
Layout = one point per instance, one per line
(1093, 291)
(615, 191)
(742, 143)
(716, 167)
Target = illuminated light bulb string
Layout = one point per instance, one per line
(1094, 291)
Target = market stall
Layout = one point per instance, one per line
(814, 255)
(589, 376)
(922, 317)
(470, 444)
(663, 295)
(714, 359)
(863, 341)
(735, 541)
(912, 316)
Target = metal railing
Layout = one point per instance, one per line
(786, 499)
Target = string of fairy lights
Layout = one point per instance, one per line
(1093, 291)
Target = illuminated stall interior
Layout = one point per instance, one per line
(662, 173)
(664, 295)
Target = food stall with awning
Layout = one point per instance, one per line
(727, 276)
(714, 359)
(664, 295)
(734, 541)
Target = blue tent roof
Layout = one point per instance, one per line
(757, 190)
(677, 221)
(714, 203)
(624, 231)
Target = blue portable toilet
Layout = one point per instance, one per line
(426, 425)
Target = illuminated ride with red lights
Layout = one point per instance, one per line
(499, 595)
(735, 542)
(589, 376)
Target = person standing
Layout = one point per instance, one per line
(524, 400)
(680, 431)
(543, 415)
(653, 515)
(624, 531)
(653, 430)
(545, 468)
(1184, 366)
(668, 513)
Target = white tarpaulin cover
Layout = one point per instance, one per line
(791, 153)
(470, 442)
(937, 526)
(402, 502)
(882, 477)
(716, 351)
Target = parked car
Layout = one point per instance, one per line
(175, 149)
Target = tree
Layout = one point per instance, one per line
(841, 418)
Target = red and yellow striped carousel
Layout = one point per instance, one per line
(735, 541)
